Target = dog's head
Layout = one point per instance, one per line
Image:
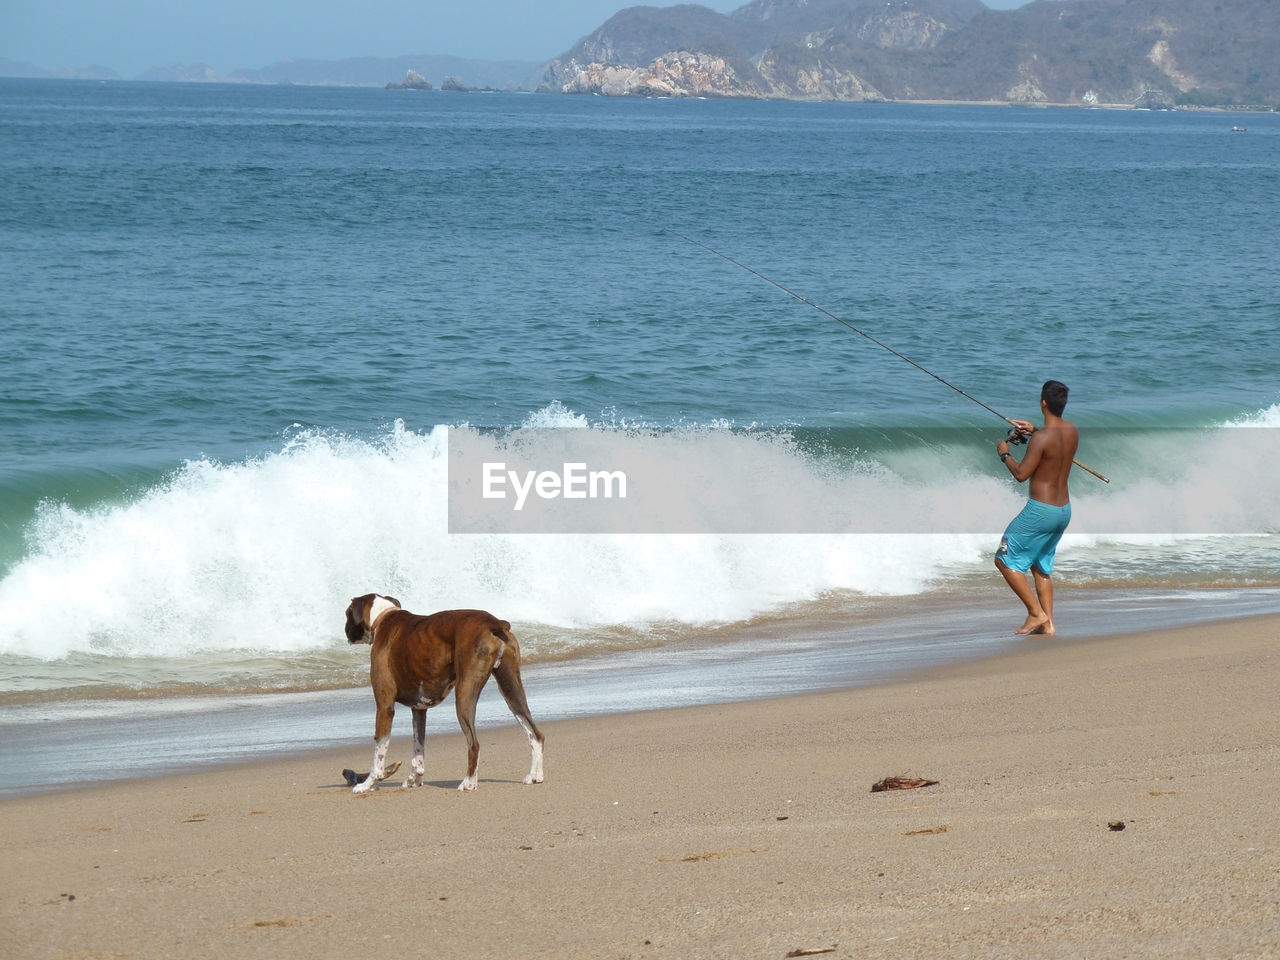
(359, 626)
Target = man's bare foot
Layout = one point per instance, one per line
(1045, 629)
(1034, 624)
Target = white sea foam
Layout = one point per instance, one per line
(264, 555)
(1269, 417)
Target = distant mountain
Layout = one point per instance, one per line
(355, 71)
(1136, 52)
(378, 71)
(1193, 51)
(1158, 52)
(20, 68)
(181, 73)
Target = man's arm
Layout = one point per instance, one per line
(1035, 450)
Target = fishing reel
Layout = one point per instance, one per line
(1016, 437)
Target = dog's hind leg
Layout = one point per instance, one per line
(508, 676)
(465, 694)
(487, 649)
(467, 721)
(419, 749)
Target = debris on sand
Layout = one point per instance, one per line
(900, 783)
(353, 778)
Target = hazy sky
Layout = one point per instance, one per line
(131, 36)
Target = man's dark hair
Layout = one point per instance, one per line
(1054, 395)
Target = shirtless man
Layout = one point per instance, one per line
(1032, 537)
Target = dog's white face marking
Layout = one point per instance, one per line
(377, 608)
(535, 768)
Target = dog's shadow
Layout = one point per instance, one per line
(397, 784)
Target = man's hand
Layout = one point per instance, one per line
(1002, 448)
(1025, 427)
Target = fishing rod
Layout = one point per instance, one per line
(1014, 435)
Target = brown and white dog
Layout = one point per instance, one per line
(417, 660)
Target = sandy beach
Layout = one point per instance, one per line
(740, 830)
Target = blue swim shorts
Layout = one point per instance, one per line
(1032, 538)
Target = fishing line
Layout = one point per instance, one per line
(863, 333)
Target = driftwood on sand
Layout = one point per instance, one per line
(901, 783)
(353, 778)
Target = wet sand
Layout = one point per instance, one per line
(43, 742)
(736, 830)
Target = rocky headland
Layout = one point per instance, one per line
(1146, 53)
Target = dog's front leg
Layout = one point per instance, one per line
(381, 740)
(419, 748)
(379, 767)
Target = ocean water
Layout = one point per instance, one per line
(240, 323)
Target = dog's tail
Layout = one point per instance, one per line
(503, 632)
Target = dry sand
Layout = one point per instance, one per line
(746, 830)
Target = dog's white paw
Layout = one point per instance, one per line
(364, 786)
(533, 778)
(467, 784)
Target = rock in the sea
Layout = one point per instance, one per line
(454, 84)
(1154, 100)
(413, 80)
